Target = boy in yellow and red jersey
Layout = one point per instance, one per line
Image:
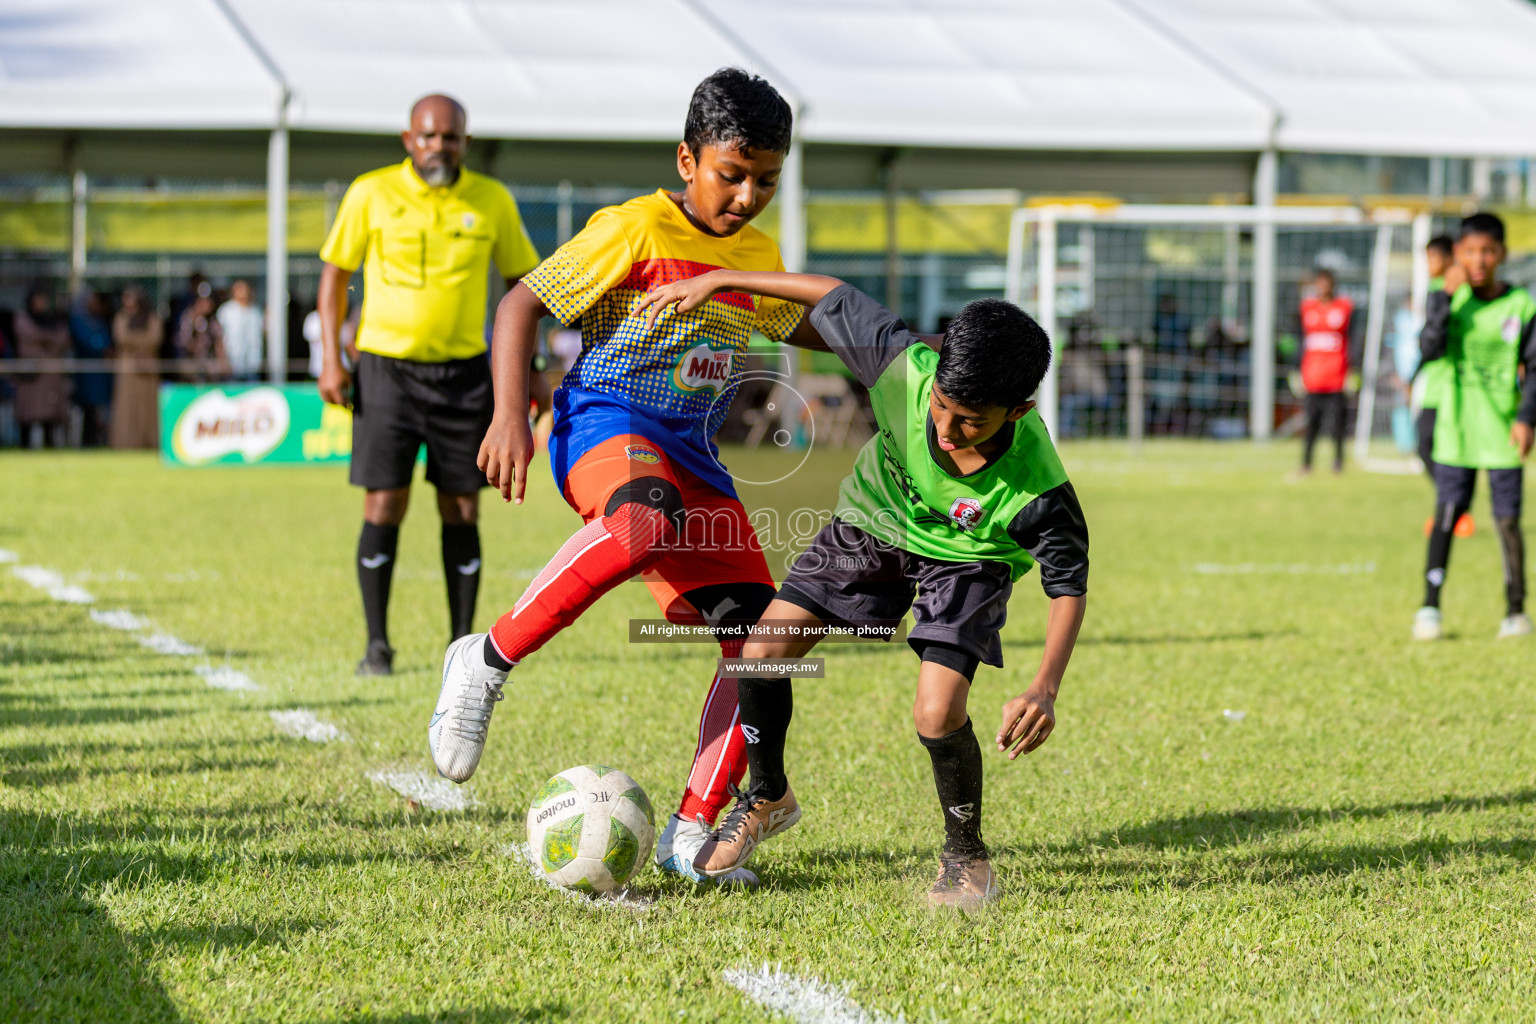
(632, 446)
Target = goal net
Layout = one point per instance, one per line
(1185, 321)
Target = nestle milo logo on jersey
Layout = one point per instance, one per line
(704, 369)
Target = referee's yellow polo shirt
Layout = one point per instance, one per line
(427, 253)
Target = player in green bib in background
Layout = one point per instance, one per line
(1484, 332)
(956, 498)
(1431, 380)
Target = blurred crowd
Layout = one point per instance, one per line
(125, 349)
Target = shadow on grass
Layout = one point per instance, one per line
(1226, 847)
(61, 957)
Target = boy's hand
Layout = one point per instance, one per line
(505, 454)
(1521, 435)
(1027, 722)
(687, 295)
(1455, 276)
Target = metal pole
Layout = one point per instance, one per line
(1261, 412)
(1422, 225)
(1375, 327)
(77, 239)
(792, 249)
(277, 254)
(892, 243)
(1046, 397)
(1135, 394)
(564, 228)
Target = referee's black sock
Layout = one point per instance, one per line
(766, 705)
(1513, 543)
(461, 568)
(956, 760)
(1440, 535)
(375, 570)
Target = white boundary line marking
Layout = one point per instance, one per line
(52, 583)
(121, 618)
(165, 643)
(618, 898)
(301, 724)
(804, 1000)
(430, 791)
(222, 677)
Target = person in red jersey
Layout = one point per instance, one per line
(1326, 318)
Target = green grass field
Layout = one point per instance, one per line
(1358, 846)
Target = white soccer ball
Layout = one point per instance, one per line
(591, 828)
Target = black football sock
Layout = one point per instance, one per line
(375, 570)
(1513, 543)
(461, 568)
(1439, 558)
(957, 776)
(767, 705)
(493, 657)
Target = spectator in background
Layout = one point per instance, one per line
(42, 399)
(241, 321)
(200, 338)
(90, 325)
(137, 334)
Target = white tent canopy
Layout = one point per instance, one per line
(1409, 77)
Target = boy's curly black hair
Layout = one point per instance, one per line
(732, 108)
(994, 355)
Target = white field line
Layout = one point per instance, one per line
(122, 619)
(430, 791)
(52, 583)
(1283, 569)
(618, 898)
(6, 555)
(804, 1000)
(226, 678)
(165, 643)
(301, 724)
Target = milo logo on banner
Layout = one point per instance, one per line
(243, 425)
(217, 425)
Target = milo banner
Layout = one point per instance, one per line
(246, 424)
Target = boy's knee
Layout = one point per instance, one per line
(766, 649)
(934, 718)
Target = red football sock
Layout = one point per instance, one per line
(720, 760)
(597, 558)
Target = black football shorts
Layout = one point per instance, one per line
(398, 406)
(849, 578)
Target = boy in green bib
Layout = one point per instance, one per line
(959, 494)
(1484, 330)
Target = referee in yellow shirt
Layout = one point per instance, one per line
(425, 231)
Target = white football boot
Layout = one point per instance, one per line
(679, 843)
(1426, 624)
(1515, 625)
(471, 690)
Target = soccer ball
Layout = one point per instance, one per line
(591, 828)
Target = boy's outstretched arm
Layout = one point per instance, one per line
(691, 293)
(508, 446)
(1029, 718)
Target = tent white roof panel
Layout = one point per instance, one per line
(145, 64)
(1376, 76)
(1385, 76)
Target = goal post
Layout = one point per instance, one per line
(1154, 310)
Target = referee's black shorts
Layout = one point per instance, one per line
(398, 405)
